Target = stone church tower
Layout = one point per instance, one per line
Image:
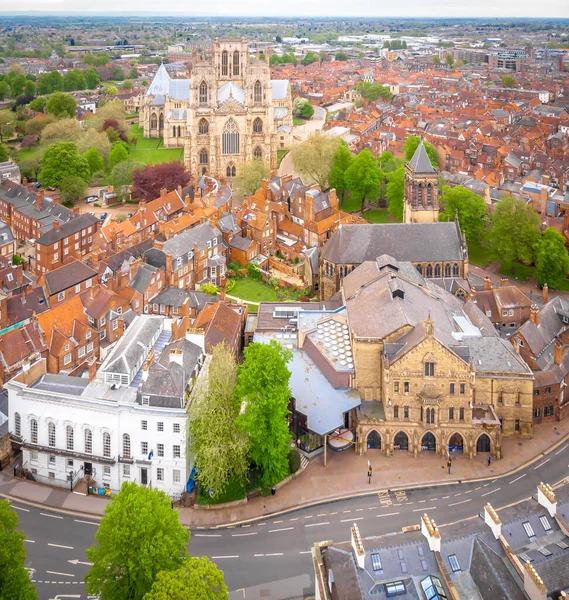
(229, 112)
(421, 189)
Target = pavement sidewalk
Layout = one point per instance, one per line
(344, 477)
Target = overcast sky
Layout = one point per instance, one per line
(373, 8)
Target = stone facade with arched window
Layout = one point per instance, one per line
(232, 87)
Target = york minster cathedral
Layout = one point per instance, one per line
(229, 112)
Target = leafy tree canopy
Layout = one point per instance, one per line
(149, 181)
(251, 175)
(470, 207)
(342, 160)
(72, 189)
(7, 124)
(263, 390)
(514, 231)
(95, 160)
(138, 537)
(313, 158)
(197, 579)
(373, 91)
(395, 192)
(4, 155)
(551, 258)
(341, 56)
(117, 155)
(61, 105)
(363, 176)
(62, 160)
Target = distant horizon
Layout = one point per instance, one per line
(298, 9)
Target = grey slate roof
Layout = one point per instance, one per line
(6, 235)
(142, 278)
(62, 384)
(494, 354)
(420, 162)
(67, 276)
(414, 242)
(66, 229)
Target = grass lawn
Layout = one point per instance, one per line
(297, 121)
(518, 271)
(150, 151)
(280, 155)
(350, 204)
(234, 490)
(380, 215)
(247, 289)
(28, 153)
(478, 255)
(563, 286)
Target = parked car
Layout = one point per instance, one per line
(90, 199)
(103, 216)
(37, 185)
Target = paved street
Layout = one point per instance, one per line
(274, 554)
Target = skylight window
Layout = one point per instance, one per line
(528, 529)
(454, 564)
(376, 562)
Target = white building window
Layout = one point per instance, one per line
(81, 351)
(88, 442)
(51, 435)
(144, 448)
(160, 474)
(126, 445)
(176, 450)
(176, 475)
(160, 450)
(126, 470)
(144, 425)
(78, 288)
(106, 445)
(34, 455)
(17, 424)
(176, 427)
(34, 431)
(90, 347)
(160, 425)
(106, 472)
(67, 359)
(69, 437)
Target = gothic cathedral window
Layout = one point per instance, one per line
(203, 127)
(236, 63)
(230, 138)
(203, 157)
(203, 93)
(258, 92)
(224, 64)
(258, 153)
(257, 126)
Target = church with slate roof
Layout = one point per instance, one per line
(228, 113)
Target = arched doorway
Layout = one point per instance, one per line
(401, 441)
(483, 443)
(429, 443)
(455, 443)
(373, 440)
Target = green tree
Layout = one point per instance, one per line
(362, 176)
(449, 59)
(251, 175)
(471, 210)
(126, 85)
(72, 189)
(551, 258)
(7, 124)
(4, 90)
(341, 56)
(313, 158)
(50, 82)
(138, 537)
(197, 579)
(307, 110)
(264, 394)
(133, 73)
(94, 139)
(64, 130)
(373, 91)
(122, 175)
(30, 88)
(342, 160)
(94, 160)
(395, 192)
(74, 80)
(508, 81)
(92, 78)
(15, 582)
(436, 60)
(411, 144)
(3, 153)
(514, 232)
(275, 59)
(61, 105)
(117, 155)
(60, 161)
(30, 167)
(38, 104)
(17, 85)
(309, 58)
(213, 418)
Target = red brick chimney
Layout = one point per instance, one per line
(558, 352)
(92, 364)
(56, 224)
(545, 293)
(534, 314)
(487, 283)
(163, 192)
(504, 282)
(39, 199)
(222, 288)
(543, 200)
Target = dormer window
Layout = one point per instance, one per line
(179, 261)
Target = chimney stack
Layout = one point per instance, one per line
(546, 497)
(430, 530)
(487, 283)
(39, 199)
(545, 293)
(177, 356)
(223, 286)
(163, 192)
(56, 225)
(533, 583)
(357, 546)
(493, 521)
(558, 352)
(534, 314)
(504, 282)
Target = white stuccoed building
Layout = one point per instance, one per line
(127, 422)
